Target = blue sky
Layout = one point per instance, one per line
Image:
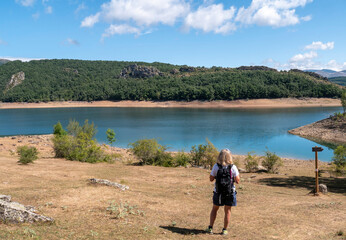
(305, 34)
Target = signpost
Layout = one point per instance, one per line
(316, 150)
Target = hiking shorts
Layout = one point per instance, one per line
(220, 200)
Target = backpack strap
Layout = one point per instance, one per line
(230, 172)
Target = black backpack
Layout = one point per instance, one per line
(224, 184)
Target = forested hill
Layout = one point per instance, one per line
(53, 80)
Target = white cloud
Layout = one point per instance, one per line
(306, 18)
(303, 57)
(26, 3)
(120, 29)
(36, 15)
(70, 41)
(91, 20)
(20, 58)
(309, 60)
(275, 13)
(80, 8)
(2, 42)
(49, 10)
(211, 18)
(320, 46)
(207, 17)
(145, 12)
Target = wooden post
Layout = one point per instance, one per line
(316, 150)
(316, 173)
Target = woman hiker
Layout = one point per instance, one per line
(225, 174)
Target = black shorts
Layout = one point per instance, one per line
(221, 200)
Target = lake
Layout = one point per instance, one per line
(240, 130)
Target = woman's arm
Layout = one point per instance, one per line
(237, 179)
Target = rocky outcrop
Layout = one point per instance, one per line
(13, 212)
(174, 71)
(187, 69)
(71, 70)
(330, 130)
(137, 71)
(108, 183)
(16, 79)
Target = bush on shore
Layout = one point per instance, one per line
(204, 155)
(150, 152)
(27, 154)
(339, 159)
(272, 162)
(78, 143)
(251, 162)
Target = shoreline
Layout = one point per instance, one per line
(253, 103)
(326, 130)
(45, 145)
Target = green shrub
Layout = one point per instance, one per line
(58, 130)
(182, 159)
(78, 144)
(251, 162)
(339, 159)
(164, 159)
(150, 152)
(272, 162)
(27, 154)
(110, 136)
(204, 155)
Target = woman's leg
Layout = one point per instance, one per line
(227, 216)
(213, 214)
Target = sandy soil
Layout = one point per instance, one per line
(176, 201)
(257, 103)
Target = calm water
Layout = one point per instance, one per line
(239, 130)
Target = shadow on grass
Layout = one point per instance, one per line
(335, 185)
(183, 231)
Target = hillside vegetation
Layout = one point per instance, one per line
(339, 80)
(63, 80)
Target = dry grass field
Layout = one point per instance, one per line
(174, 202)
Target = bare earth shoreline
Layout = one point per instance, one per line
(255, 103)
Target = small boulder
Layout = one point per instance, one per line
(14, 212)
(323, 188)
(260, 169)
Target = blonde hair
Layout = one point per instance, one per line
(225, 157)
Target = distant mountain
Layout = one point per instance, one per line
(3, 61)
(329, 73)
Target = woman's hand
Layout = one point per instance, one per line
(211, 178)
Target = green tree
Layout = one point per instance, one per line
(59, 130)
(343, 100)
(110, 136)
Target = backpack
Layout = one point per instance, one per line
(224, 184)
